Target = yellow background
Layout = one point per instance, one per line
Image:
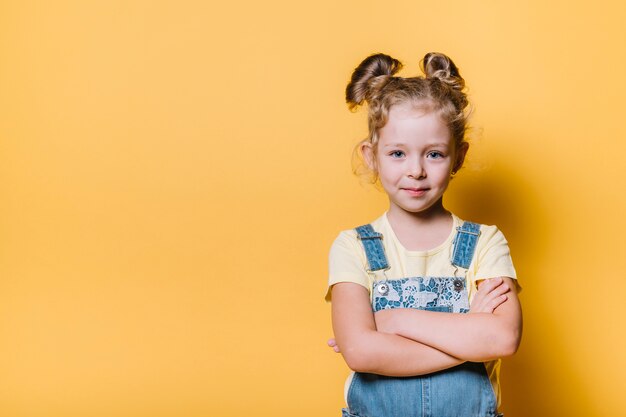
(172, 174)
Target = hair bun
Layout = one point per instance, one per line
(370, 77)
(437, 65)
(440, 66)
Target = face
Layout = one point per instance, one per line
(415, 158)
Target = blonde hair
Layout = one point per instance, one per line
(440, 89)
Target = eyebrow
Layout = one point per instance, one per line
(428, 145)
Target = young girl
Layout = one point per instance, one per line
(395, 281)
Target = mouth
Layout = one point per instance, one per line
(416, 191)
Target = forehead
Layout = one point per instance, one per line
(410, 123)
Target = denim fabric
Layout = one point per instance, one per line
(374, 249)
(461, 391)
(465, 244)
(436, 294)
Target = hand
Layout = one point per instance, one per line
(491, 293)
(333, 344)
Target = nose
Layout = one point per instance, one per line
(416, 169)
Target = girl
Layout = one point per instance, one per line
(394, 282)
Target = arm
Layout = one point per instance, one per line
(473, 337)
(366, 350)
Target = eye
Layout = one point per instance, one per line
(396, 154)
(435, 154)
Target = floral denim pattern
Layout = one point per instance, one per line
(433, 293)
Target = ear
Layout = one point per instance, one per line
(367, 150)
(460, 156)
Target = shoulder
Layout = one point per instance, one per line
(492, 257)
(349, 252)
(347, 261)
(346, 241)
(489, 234)
(349, 239)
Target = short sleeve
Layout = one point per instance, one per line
(493, 257)
(346, 262)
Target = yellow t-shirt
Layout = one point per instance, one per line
(348, 263)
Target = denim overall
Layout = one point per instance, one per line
(461, 391)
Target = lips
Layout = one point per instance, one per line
(416, 191)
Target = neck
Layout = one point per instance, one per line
(434, 214)
(421, 231)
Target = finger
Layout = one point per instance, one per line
(495, 303)
(491, 295)
(490, 284)
(499, 290)
(331, 342)
(495, 282)
(486, 285)
(493, 299)
(336, 349)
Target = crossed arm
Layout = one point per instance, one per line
(405, 342)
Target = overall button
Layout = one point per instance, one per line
(382, 288)
(458, 285)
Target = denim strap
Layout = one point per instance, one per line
(373, 244)
(465, 244)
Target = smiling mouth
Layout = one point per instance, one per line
(416, 191)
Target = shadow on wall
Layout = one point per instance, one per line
(538, 380)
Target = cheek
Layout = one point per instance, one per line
(443, 175)
(390, 171)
